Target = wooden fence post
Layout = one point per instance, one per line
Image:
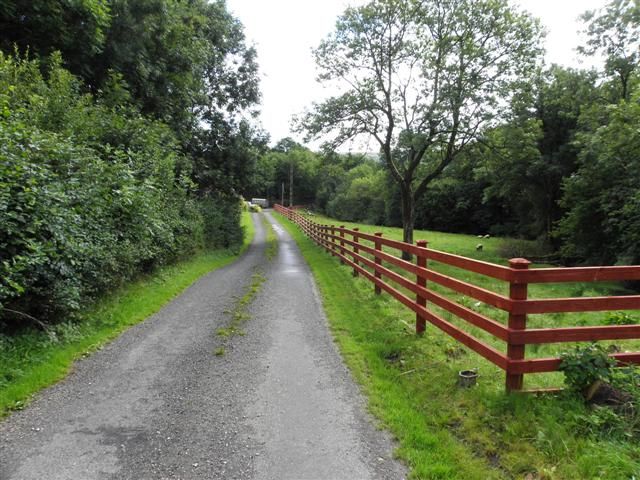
(325, 232)
(378, 261)
(356, 250)
(517, 291)
(421, 261)
(341, 243)
(332, 240)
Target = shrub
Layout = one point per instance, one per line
(602, 199)
(518, 248)
(584, 366)
(90, 194)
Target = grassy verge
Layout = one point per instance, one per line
(271, 239)
(33, 360)
(492, 251)
(445, 432)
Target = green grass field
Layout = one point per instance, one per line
(33, 359)
(271, 240)
(479, 433)
(465, 245)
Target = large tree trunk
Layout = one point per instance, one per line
(408, 218)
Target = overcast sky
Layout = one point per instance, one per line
(285, 31)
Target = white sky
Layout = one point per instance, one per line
(285, 31)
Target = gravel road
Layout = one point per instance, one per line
(157, 403)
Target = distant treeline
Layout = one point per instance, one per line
(565, 170)
(122, 144)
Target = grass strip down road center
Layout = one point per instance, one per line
(445, 432)
(34, 359)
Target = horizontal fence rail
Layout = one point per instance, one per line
(364, 253)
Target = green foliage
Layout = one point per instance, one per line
(620, 318)
(559, 167)
(518, 248)
(583, 366)
(602, 198)
(90, 193)
(456, 202)
(275, 167)
(225, 157)
(32, 359)
(221, 215)
(358, 198)
(614, 31)
(620, 420)
(524, 161)
(183, 62)
(76, 28)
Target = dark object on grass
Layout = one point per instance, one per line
(602, 393)
(467, 378)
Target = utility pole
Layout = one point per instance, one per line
(282, 196)
(291, 184)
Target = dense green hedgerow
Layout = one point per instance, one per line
(91, 193)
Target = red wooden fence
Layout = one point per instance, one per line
(350, 244)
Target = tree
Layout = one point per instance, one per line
(90, 194)
(423, 79)
(275, 167)
(335, 168)
(525, 160)
(615, 32)
(456, 201)
(602, 198)
(289, 147)
(77, 29)
(97, 160)
(225, 157)
(186, 63)
(360, 197)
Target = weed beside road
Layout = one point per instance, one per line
(240, 313)
(271, 239)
